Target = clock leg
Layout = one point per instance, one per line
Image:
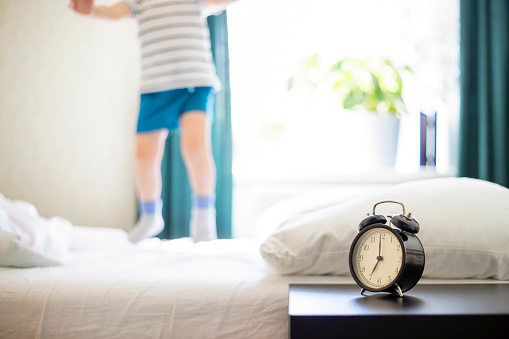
(363, 290)
(398, 290)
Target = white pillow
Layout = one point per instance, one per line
(464, 230)
(29, 240)
(14, 253)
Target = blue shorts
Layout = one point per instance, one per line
(163, 109)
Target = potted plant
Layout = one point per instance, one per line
(373, 86)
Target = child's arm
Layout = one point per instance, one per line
(114, 12)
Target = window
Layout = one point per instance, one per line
(284, 130)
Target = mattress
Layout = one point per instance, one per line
(109, 288)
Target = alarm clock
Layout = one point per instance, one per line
(387, 256)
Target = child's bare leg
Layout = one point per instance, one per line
(196, 149)
(149, 153)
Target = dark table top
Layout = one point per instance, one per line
(423, 299)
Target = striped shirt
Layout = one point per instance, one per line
(175, 44)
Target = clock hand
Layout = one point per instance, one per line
(379, 258)
(374, 268)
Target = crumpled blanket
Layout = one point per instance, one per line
(29, 240)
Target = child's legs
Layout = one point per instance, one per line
(149, 154)
(196, 150)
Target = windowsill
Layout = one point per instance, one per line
(378, 176)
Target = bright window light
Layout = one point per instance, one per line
(284, 126)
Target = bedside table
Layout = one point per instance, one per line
(427, 311)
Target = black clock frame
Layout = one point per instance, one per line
(413, 260)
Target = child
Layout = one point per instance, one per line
(177, 92)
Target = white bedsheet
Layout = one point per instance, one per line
(174, 289)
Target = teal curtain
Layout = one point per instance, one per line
(484, 111)
(176, 192)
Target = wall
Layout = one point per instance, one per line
(68, 105)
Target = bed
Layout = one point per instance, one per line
(174, 289)
(106, 287)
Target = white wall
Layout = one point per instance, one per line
(68, 106)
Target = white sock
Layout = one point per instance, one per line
(203, 224)
(149, 225)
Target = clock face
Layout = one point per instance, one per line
(377, 258)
